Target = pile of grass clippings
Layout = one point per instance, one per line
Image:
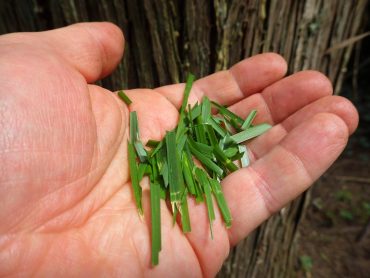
(215, 141)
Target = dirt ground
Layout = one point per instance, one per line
(335, 234)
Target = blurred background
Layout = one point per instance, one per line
(324, 233)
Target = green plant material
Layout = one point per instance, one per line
(248, 121)
(220, 155)
(141, 171)
(134, 177)
(208, 163)
(124, 97)
(234, 119)
(306, 263)
(188, 85)
(185, 219)
(215, 125)
(244, 160)
(134, 127)
(141, 152)
(206, 109)
(134, 137)
(152, 143)
(250, 133)
(344, 195)
(187, 171)
(203, 180)
(346, 214)
(172, 172)
(220, 198)
(155, 207)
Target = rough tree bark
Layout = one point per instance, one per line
(167, 38)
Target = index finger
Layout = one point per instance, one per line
(227, 87)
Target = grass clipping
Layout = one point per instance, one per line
(214, 140)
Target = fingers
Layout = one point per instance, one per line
(227, 87)
(337, 105)
(254, 193)
(94, 49)
(284, 97)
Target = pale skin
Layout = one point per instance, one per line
(67, 207)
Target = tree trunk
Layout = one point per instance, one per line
(167, 38)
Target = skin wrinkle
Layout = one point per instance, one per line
(263, 188)
(240, 92)
(94, 209)
(88, 177)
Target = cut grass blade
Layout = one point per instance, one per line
(248, 121)
(220, 155)
(208, 163)
(221, 202)
(228, 114)
(222, 132)
(185, 220)
(187, 171)
(188, 85)
(141, 152)
(124, 97)
(134, 129)
(173, 169)
(244, 160)
(204, 182)
(206, 109)
(141, 171)
(155, 205)
(134, 178)
(250, 133)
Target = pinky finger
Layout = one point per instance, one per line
(256, 192)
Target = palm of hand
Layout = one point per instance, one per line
(67, 205)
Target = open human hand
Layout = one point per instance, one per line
(66, 203)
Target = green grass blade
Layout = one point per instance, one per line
(181, 142)
(141, 152)
(221, 202)
(173, 169)
(155, 206)
(222, 132)
(200, 131)
(159, 146)
(203, 148)
(226, 112)
(231, 151)
(220, 155)
(248, 121)
(208, 163)
(134, 177)
(134, 129)
(185, 220)
(203, 180)
(250, 133)
(196, 111)
(188, 85)
(187, 171)
(244, 160)
(124, 97)
(206, 109)
(211, 135)
(141, 171)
